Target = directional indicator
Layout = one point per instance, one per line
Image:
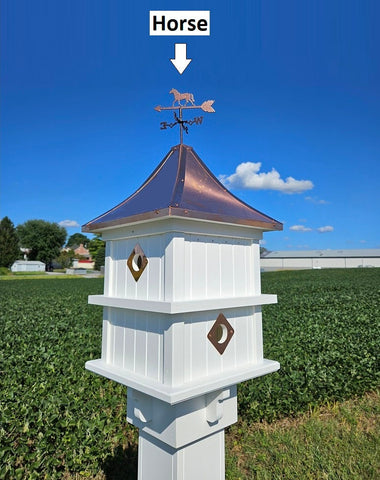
(180, 61)
(206, 106)
(189, 103)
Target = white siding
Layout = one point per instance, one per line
(175, 350)
(184, 267)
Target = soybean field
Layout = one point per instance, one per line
(58, 420)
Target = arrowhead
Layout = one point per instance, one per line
(180, 61)
(158, 108)
(180, 64)
(206, 106)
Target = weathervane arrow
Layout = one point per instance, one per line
(206, 106)
(177, 105)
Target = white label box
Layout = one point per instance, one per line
(179, 22)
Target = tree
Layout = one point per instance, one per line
(43, 239)
(100, 257)
(65, 258)
(9, 244)
(76, 239)
(97, 250)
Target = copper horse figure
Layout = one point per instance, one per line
(188, 97)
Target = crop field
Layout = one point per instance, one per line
(57, 420)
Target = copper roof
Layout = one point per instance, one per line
(182, 186)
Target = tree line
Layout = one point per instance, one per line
(44, 241)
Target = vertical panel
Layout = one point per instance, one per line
(213, 269)
(173, 351)
(199, 349)
(169, 267)
(227, 269)
(129, 339)
(187, 270)
(140, 347)
(154, 253)
(106, 336)
(154, 353)
(199, 273)
(240, 267)
(187, 349)
(120, 269)
(251, 332)
(258, 334)
(177, 331)
(179, 269)
(118, 326)
(108, 273)
(244, 342)
(255, 265)
(249, 268)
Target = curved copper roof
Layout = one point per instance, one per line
(182, 186)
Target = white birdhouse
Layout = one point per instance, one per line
(182, 313)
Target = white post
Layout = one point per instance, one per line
(202, 459)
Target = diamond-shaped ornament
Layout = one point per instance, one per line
(137, 262)
(221, 333)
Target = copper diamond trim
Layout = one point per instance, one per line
(137, 262)
(221, 333)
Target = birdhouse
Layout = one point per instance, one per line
(182, 313)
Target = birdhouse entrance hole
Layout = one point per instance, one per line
(137, 262)
(221, 333)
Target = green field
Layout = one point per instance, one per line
(59, 421)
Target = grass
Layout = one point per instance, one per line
(59, 421)
(38, 276)
(335, 442)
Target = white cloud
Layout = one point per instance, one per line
(69, 223)
(247, 176)
(327, 228)
(300, 228)
(317, 201)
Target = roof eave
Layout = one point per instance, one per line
(173, 212)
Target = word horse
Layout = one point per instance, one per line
(188, 97)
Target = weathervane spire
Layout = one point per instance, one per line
(206, 106)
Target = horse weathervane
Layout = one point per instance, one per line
(177, 105)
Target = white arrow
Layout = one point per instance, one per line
(180, 61)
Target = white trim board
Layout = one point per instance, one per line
(184, 306)
(173, 395)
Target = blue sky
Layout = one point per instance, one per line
(295, 133)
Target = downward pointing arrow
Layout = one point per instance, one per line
(180, 61)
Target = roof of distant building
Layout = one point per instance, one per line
(28, 262)
(364, 252)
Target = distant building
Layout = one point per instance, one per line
(83, 263)
(28, 266)
(82, 251)
(307, 259)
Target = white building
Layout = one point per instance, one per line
(306, 259)
(28, 266)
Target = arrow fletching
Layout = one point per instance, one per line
(206, 106)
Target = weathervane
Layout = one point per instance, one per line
(177, 105)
